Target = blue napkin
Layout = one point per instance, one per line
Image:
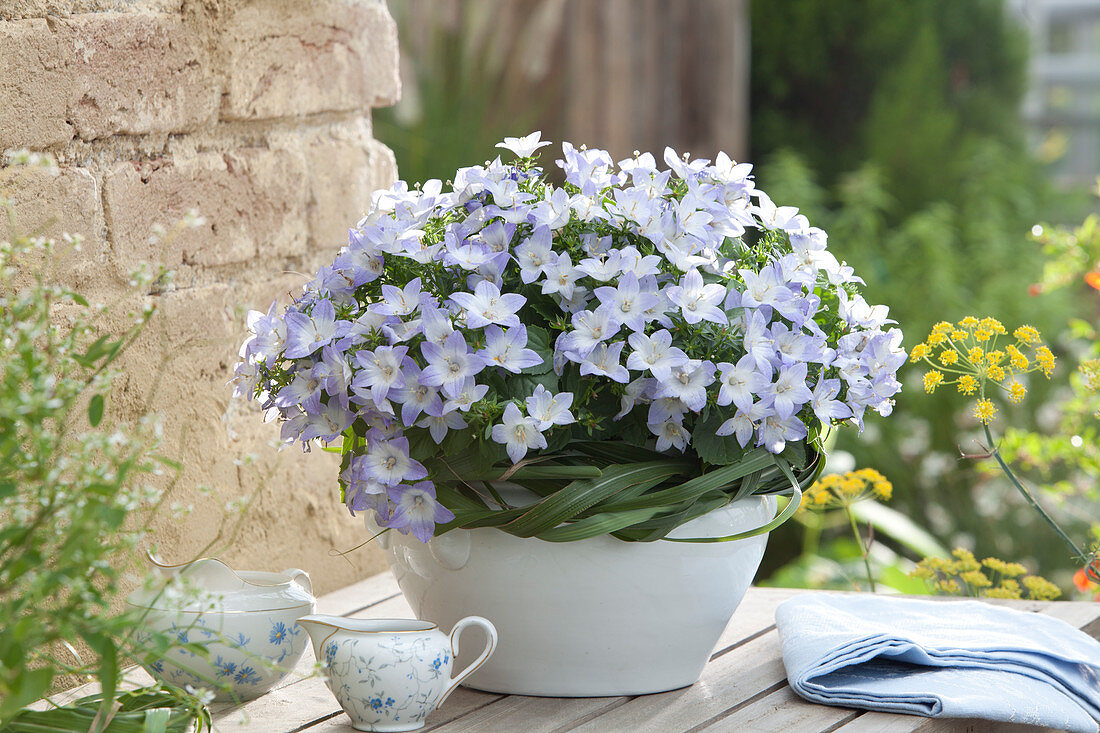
(963, 659)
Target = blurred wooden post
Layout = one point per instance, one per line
(642, 74)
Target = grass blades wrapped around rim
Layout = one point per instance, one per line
(156, 709)
(629, 492)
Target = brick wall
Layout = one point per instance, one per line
(257, 114)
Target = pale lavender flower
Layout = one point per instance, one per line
(380, 372)
(450, 364)
(305, 334)
(825, 404)
(628, 303)
(534, 254)
(268, 335)
(603, 268)
(470, 393)
(689, 383)
(550, 409)
(740, 383)
(590, 329)
(416, 510)
(743, 424)
(487, 305)
(553, 211)
(518, 433)
(758, 342)
(698, 302)
(304, 385)
(360, 484)
(524, 147)
(775, 431)
(400, 301)
(324, 422)
(415, 397)
(389, 462)
(435, 325)
(631, 260)
(662, 409)
(634, 393)
(438, 425)
(561, 276)
(789, 392)
(604, 361)
(655, 353)
(334, 374)
(764, 288)
(505, 349)
(670, 434)
(771, 216)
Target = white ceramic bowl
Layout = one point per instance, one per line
(248, 651)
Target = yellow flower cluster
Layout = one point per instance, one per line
(844, 489)
(991, 578)
(967, 356)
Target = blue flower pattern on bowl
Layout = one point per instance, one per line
(246, 662)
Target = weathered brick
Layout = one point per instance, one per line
(292, 61)
(52, 203)
(346, 165)
(252, 199)
(100, 74)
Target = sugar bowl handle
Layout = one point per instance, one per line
(490, 632)
(301, 577)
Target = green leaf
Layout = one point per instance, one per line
(579, 496)
(95, 410)
(717, 450)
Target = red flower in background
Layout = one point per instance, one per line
(1088, 578)
(1093, 279)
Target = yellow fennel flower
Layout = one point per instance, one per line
(949, 357)
(982, 334)
(1026, 335)
(1016, 358)
(993, 325)
(967, 384)
(920, 351)
(996, 373)
(995, 357)
(932, 379)
(968, 322)
(1016, 392)
(959, 335)
(985, 410)
(1045, 360)
(937, 339)
(975, 355)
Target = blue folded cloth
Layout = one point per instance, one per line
(950, 659)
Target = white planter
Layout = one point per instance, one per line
(589, 618)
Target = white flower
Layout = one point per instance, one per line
(670, 434)
(655, 353)
(698, 302)
(518, 433)
(524, 147)
(534, 255)
(550, 409)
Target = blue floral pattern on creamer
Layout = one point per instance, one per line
(249, 654)
(397, 679)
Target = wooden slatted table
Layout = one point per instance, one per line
(743, 688)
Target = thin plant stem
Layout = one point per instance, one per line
(1078, 553)
(864, 550)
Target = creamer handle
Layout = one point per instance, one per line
(490, 631)
(301, 577)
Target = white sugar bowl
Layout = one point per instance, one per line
(246, 621)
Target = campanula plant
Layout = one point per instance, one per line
(637, 346)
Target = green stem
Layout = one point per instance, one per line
(864, 550)
(1078, 553)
